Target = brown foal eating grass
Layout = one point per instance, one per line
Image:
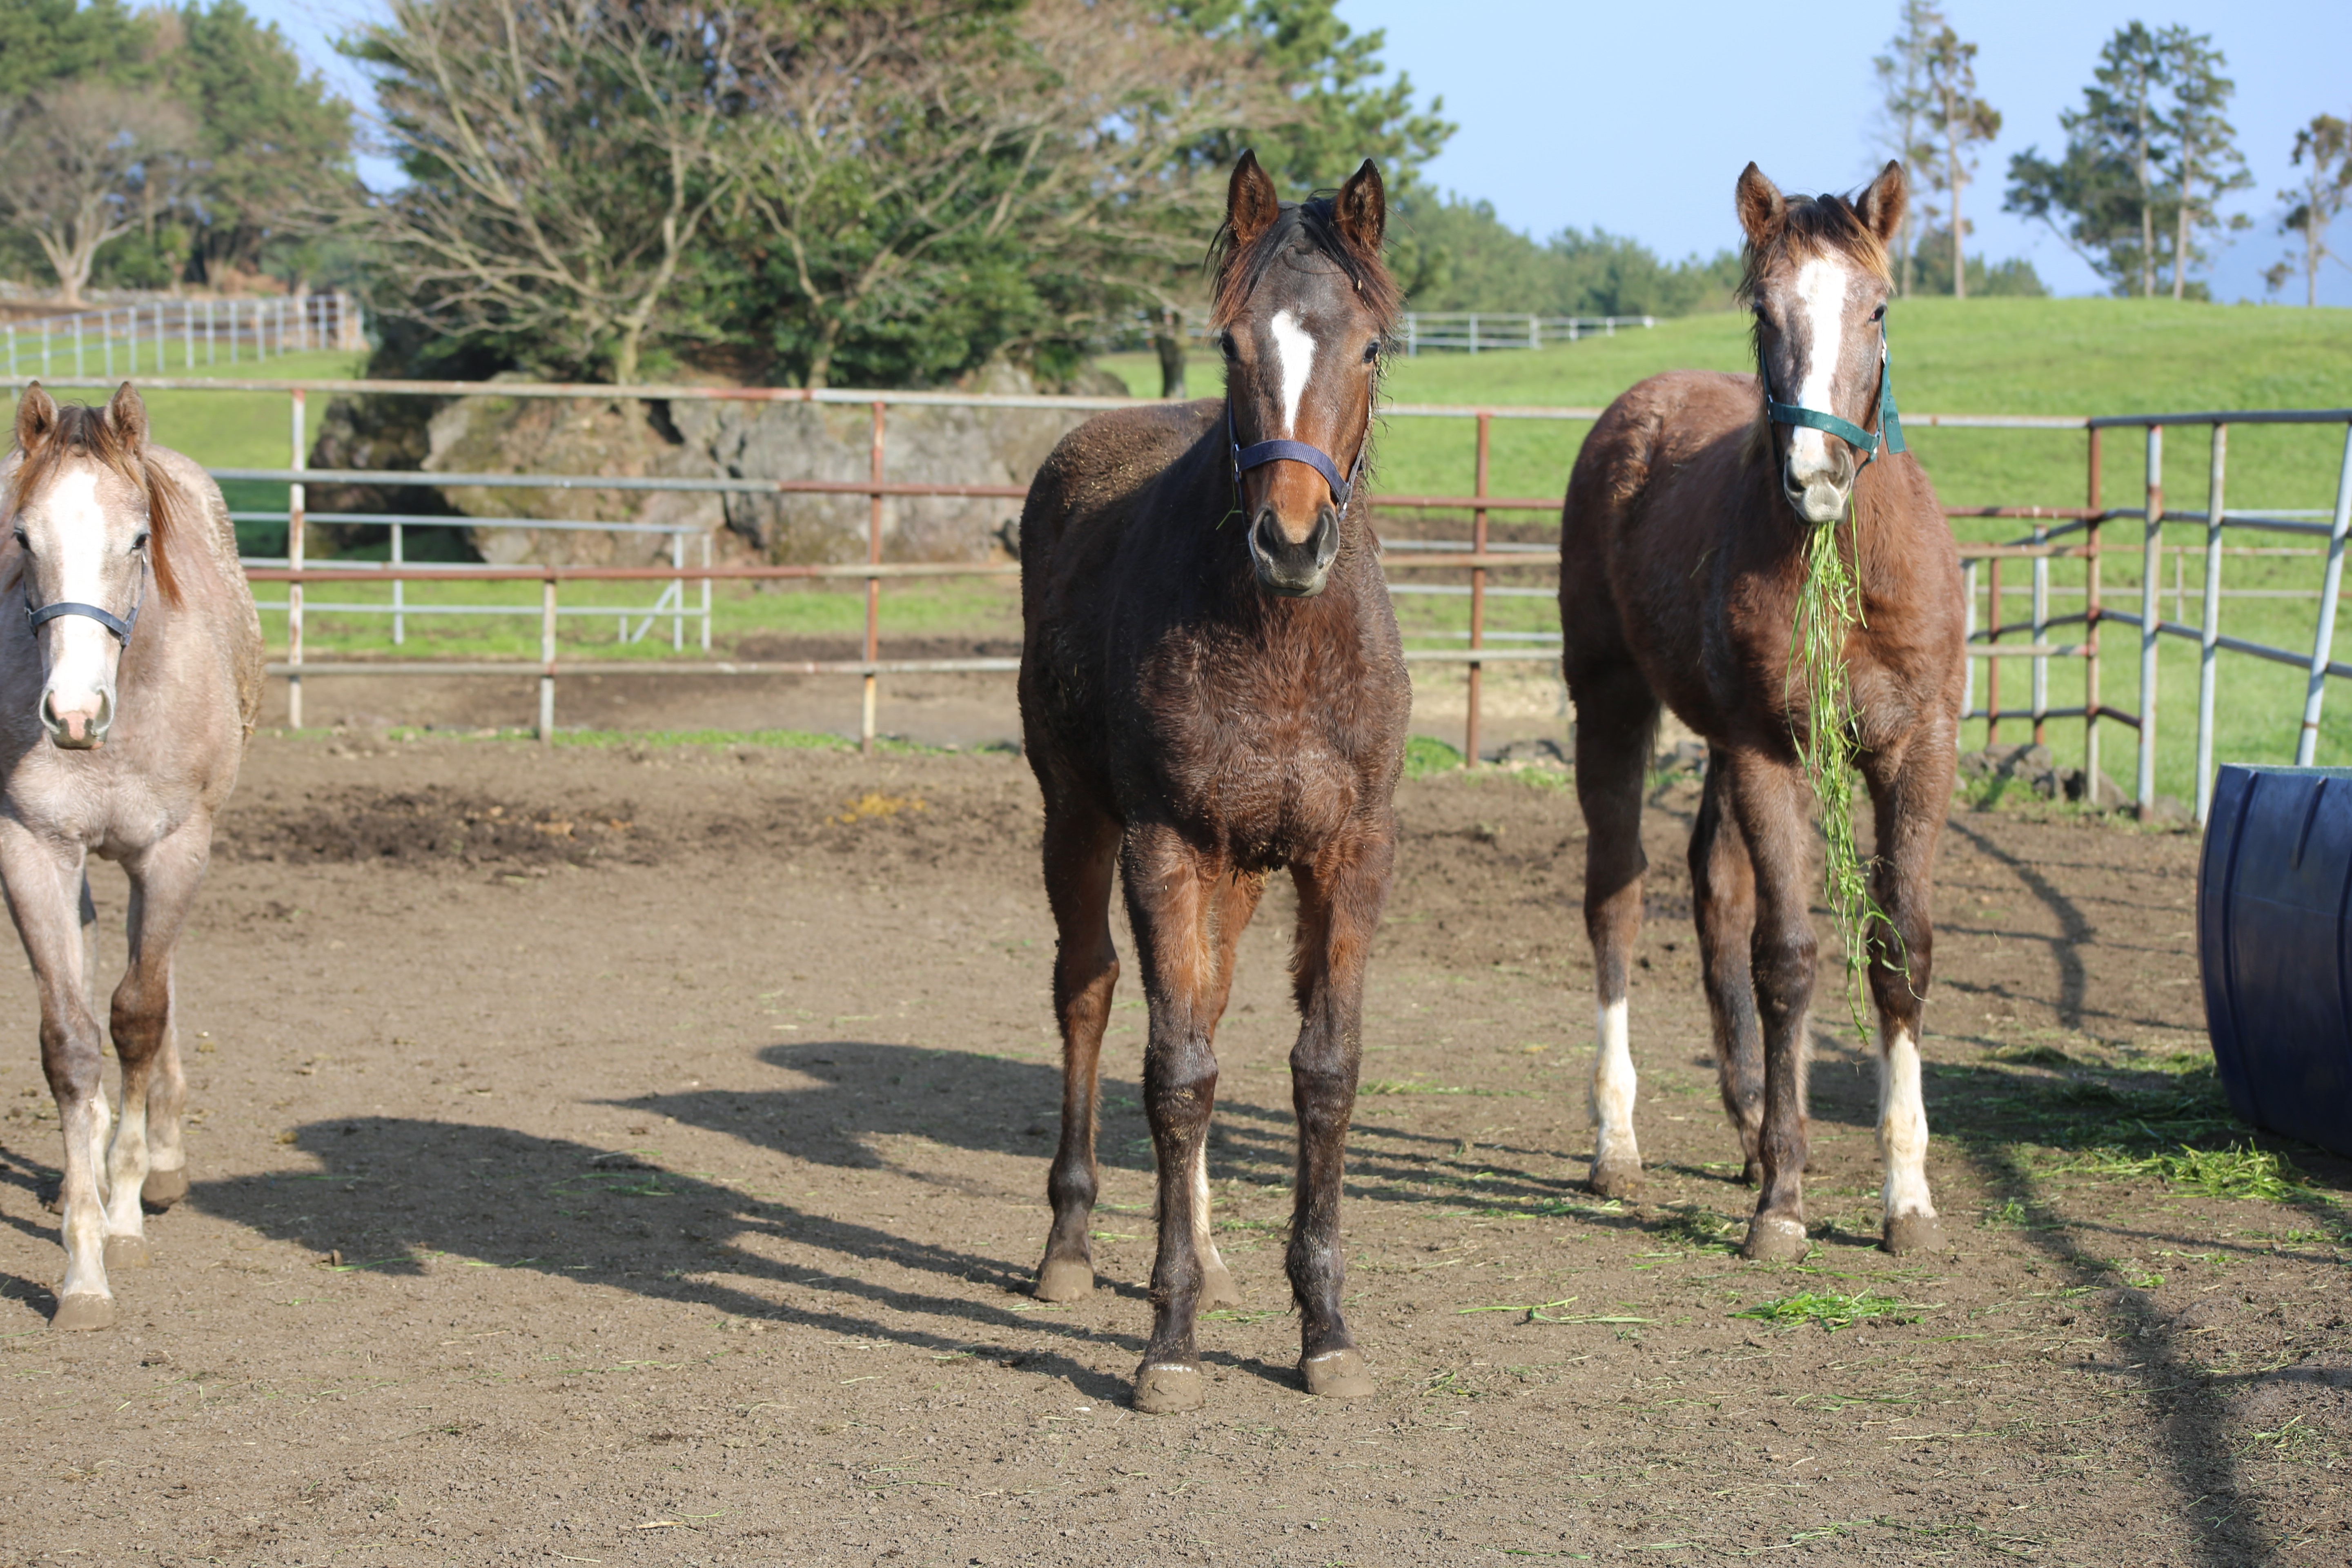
(128, 688)
(1780, 575)
(1213, 688)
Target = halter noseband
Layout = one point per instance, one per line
(1866, 442)
(1260, 454)
(120, 626)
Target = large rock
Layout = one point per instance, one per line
(619, 438)
(835, 441)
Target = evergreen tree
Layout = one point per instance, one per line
(2322, 149)
(2102, 195)
(2206, 164)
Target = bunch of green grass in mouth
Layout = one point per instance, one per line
(1829, 607)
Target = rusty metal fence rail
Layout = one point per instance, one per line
(1478, 557)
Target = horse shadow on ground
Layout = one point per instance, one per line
(851, 1100)
(398, 1195)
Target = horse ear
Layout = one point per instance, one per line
(1251, 203)
(36, 419)
(129, 418)
(1363, 208)
(1761, 205)
(1882, 203)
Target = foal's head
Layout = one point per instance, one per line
(1817, 280)
(87, 510)
(1302, 305)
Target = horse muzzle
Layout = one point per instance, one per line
(1294, 569)
(1819, 491)
(78, 725)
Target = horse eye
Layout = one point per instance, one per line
(1225, 344)
(140, 542)
(1879, 314)
(22, 543)
(1372, 351)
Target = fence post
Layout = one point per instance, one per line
(706, 592)
(1411, 335)
(12, 348)
(547, 659)
(2209, 622)
(77, 321)
(2040, 670)
(1473, 333)
(873, 588)
(133, 336)
(106, 341)
(1992, 665)
(1477, 600)
(677, 587)
(232, 330)
(1968, 636)
(2091, 627)
(2323, 645)
(294, 555)
(2151, 611)
(188, 331)
(1535, 333)
(399, 587)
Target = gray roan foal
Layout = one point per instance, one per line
(129, 683)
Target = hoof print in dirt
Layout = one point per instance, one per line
(1771, 1239)
(1164, 1389)
(82, 1313)
(1337, 1374)
(162, 1189)
(1913, 1233)
(1616, 1178)
(1065, 1281)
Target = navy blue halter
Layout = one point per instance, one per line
(120, 626)
(1260, 454)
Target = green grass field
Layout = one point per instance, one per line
(1990, 356)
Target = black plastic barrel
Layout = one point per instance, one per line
(2274, 941)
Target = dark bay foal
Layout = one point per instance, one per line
(1683, 552)
(1211, 690)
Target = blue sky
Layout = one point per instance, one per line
(1638, 118)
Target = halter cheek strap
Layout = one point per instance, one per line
(1866, 442)
(120, 626)
(1260, 454)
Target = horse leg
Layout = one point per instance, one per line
(1081, 851)
(1339, 900)
(1230, 909)
(1908, 803)
(147, 1158)
(1723, 884)
(41, 884)
(1769, 800)
(1170, 892)
(1616, 720)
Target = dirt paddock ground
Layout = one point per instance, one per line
(637, 1156)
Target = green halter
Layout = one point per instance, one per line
(1890, 424)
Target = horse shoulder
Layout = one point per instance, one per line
(210, 536)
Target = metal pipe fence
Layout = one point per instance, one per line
(157, 336)
(1485, 332)
(2053, 538)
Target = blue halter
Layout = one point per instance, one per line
(120, 626)
(1260, 454)
(1866, 442)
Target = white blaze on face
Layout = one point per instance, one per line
(1821, 285)
(1902, 1125)
(1294, 354)
(1612, 1087)
(72, 549)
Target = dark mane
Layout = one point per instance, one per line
(1311, 227)
(86, 431)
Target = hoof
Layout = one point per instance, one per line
(1065, 1279)
(1773, 1240)
(1163, 1388)
(125, 1252)
(84, 1312)
(1337, 1374)
(162, 1189)
(1912, 1233)
(1217, 1288)
(1616, 1178)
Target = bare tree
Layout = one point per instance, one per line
(2322, 149)
(564, 158)
(74, 162)
(1903, 101)
(895, 150)
(1959, 120)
